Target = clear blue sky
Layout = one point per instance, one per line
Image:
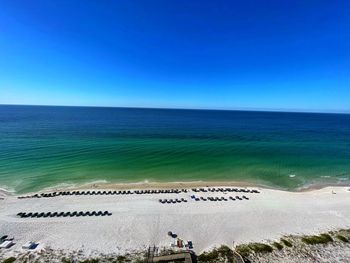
(289, 55)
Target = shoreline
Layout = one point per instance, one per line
(104, 185)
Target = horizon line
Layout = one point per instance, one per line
(184, 108)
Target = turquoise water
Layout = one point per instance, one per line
(48, 146)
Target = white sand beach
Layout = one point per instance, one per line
(139, 221)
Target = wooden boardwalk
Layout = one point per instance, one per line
(187, 257)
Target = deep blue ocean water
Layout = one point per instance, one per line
(42, 146)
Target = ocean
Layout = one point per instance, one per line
(45, 146)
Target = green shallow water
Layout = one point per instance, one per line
(48, 146)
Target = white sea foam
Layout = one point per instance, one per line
(7, 189)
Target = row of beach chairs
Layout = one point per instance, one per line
(125, 192)
(63, 214)
(172, 201)
(138, 192)
(195, 198)
(223, 190)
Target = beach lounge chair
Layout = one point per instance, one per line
(47, 214)
(6, 244)
(29, 245)
(60, 214)
(3, 238)
(40, 215)
(81, 213)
